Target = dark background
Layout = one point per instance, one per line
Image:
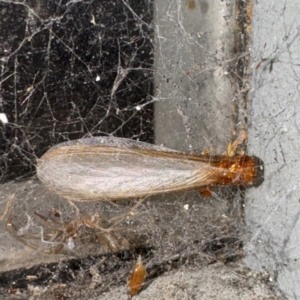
(70, 70)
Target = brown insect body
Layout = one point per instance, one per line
(107, 168)
(137, 278)
(191, 4)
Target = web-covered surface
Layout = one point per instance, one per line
(70, 70)
(150, 71)
(272, 211)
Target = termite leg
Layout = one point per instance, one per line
(75, 206)
(208, 151)
(7, 207)
(9, 220)
(205, 192)
(232, 147)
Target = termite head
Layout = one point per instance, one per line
(260, 171)
(240, 170)
(247, 170)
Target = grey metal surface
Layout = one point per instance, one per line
(272, 210)
(194, 110)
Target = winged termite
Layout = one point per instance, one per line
(108, 168)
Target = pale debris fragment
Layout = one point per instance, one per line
(3, 118)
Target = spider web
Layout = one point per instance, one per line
(142, 70)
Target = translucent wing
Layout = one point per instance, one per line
(107, 168)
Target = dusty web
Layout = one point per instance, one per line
(172, 73)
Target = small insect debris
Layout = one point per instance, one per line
(137, 278)
(54, 238)
(31, 277)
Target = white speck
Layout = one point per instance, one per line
(283, 129)
(3, 118)
(70, 243)
(186, 206)
(271, 279)
(93, 20)
(98, 78)
(138, 107)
